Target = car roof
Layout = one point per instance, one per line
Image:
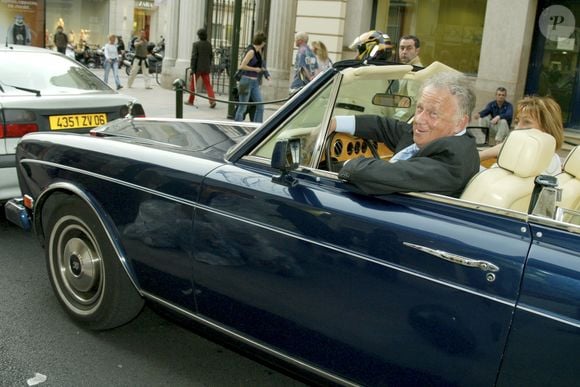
(19, 48)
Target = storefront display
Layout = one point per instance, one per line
(86, 22)
(21, 22)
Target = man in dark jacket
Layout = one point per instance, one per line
(434, 154)
(201, 60)
(60, 40)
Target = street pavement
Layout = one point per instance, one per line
(161, 102)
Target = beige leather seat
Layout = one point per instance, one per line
(569, 181)
(525, 154)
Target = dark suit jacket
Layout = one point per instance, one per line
(443, 166)
(201, 57)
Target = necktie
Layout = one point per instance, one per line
(405, 153)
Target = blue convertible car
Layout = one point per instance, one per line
(249, 231)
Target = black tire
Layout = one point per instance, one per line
(84, 270)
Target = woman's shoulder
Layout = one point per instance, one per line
(555, 166)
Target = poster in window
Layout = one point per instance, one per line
(22, 22)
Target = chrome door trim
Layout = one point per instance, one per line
(455, 258)
(537, 312)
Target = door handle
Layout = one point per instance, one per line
(455, 258)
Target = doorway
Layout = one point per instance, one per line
(554, 67)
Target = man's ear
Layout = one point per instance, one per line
(462, 123)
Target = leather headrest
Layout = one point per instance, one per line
(572, 162)
(527, 152)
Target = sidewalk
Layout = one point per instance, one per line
(160, 102)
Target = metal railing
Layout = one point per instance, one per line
(180, 88)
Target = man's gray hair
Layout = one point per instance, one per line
(458, 85)
(302, 36)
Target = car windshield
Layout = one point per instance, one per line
(363, 90)
(51, 74)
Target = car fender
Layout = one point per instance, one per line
(111, 231)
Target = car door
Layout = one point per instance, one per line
(356, 285)
(544, 343)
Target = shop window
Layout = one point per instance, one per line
(449, 31)
(86, 22)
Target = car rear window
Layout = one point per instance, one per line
(51, 74)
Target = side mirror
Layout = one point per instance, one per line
(285, 158)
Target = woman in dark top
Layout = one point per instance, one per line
(249, 87)
(201, 60)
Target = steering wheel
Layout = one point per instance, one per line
(328, 150)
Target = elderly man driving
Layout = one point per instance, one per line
(434, 154)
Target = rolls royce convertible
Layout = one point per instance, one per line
(249, 231)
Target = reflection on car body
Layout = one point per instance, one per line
(245, 229)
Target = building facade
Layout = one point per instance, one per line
(526, 46)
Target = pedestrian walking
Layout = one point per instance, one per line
(305, 64)
(120, 50)
(112, 61)
(140, 61)
(201, 60)
(249, 87)
(324, 62)
(60, 40)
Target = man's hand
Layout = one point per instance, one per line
(495, 120)
(476, 116)
(405, 103)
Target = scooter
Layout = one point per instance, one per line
(128, 61)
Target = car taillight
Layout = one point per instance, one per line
(138, 111)
(19, 130)
(18, 123)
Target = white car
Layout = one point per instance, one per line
(41, 90)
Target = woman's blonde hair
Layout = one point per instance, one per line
(320, 49)
(547, 112)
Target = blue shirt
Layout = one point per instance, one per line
(305, 62)
(506, 111)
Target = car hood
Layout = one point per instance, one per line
(212, 138)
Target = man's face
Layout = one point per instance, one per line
(436, 116)
(19, 20)
(500, 96)
(407, 50)
(298, 42)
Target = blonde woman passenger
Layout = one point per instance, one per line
(541, 113)
(324, 62)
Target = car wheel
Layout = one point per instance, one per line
(84, 269)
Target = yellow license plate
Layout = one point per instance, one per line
(77, 121)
